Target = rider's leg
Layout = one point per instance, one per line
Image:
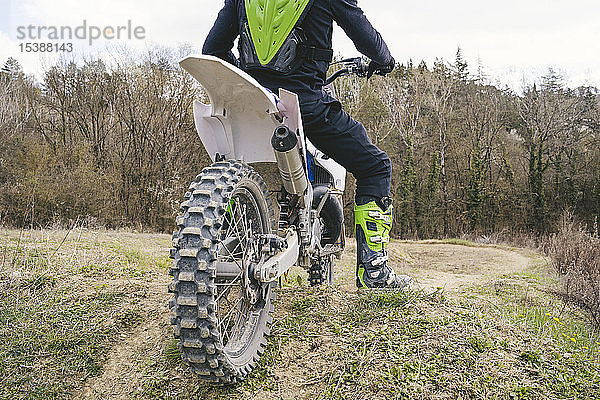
(345, 140)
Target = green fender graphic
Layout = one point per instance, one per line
(271, 22)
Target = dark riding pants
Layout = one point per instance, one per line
(345, 140)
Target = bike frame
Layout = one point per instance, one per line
(238, 124)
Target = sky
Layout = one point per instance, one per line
(515, 41)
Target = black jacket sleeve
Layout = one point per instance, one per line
(219, 41)
(353, 21)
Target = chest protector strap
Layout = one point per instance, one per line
(271, 38)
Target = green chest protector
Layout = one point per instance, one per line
(271, 37)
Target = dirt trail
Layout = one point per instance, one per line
(121, 372)
(452, 266)
(433, 264)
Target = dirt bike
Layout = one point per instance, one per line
(232, 245)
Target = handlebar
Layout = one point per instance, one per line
(355, 66)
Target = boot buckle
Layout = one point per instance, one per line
(379, 239)
(378, 215)
(380, 260)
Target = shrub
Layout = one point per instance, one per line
(575, 253)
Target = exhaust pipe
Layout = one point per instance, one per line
(289, 160)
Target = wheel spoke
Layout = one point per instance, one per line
(237, 234)
(233, 307)
(230, 221)
(234, 259)
(240, 316)
(224, 320)
(247, 232)
(233, 223)
(224, 326)
(238, 246)
(228, 287)
(241, 235)
(243, 218)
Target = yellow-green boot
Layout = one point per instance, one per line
(373, 225)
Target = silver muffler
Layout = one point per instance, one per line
(289, 160)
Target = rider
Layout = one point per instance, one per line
(287, 44)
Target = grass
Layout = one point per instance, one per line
(64, 298)
(455, 241)
(405, 346)
(511, 340)
(508, 338)
(53, 339)
(436, 347)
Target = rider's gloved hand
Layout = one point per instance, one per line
(378, 69)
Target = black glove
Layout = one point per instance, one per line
(378, 69)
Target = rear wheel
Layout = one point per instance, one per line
(222, 318)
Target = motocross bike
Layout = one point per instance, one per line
(232, 245)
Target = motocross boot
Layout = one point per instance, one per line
(373, 226)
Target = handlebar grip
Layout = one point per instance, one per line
(363, 67)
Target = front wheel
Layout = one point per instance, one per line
(221, 318)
